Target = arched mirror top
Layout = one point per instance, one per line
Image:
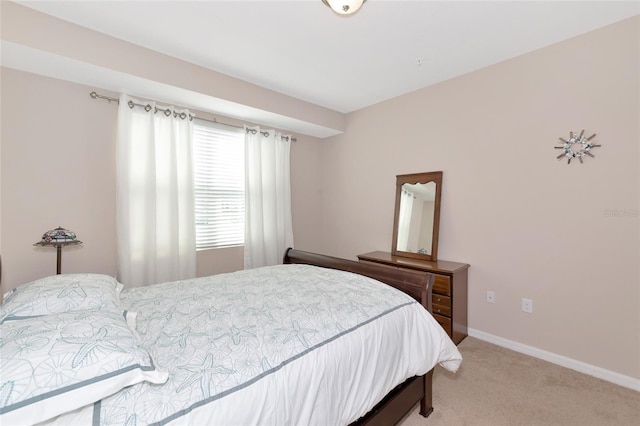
(417, 215)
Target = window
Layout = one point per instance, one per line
(218, 152)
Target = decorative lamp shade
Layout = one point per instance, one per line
(344, 7)
(58, 236)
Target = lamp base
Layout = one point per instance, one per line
(59, 260)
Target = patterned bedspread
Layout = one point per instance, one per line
(230, 337)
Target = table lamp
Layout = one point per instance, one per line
(58, 238)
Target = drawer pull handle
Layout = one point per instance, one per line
(438, 311)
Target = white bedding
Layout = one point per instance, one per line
(282, 345)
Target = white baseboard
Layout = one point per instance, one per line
(582, 367)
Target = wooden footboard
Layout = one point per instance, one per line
(400, 400)
(415, 283)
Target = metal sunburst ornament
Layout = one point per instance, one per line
(577, 146)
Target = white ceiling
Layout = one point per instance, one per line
(302, 49)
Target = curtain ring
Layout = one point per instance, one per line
(147, 108)
(167, 112)
(183, 115)
(131, 104)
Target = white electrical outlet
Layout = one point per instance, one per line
(527, 305)
(491, 297)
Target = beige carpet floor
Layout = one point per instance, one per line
(496, 386)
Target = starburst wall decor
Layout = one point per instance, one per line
(577, 146)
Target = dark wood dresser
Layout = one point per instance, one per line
(449, 288)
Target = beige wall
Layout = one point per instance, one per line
(528, 224)
(58, 169)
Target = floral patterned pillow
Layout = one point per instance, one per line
(53, 364)
(61, 293)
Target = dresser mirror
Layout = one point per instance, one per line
(417, 215)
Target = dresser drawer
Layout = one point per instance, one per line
(440, 300)
(442, 285)
(441, 310)
(444, 322)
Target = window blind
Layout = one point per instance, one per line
(218, 152)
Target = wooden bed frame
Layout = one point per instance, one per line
(400, 400)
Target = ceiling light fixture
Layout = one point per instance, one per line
(344, 7)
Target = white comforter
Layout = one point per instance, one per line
(282, 345)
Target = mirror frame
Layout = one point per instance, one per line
(413, 179)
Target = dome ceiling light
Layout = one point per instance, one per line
(344, 7)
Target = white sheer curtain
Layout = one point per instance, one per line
(268, 225)
(404, 220)
(155, 202)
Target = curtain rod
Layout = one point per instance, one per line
(95, 95)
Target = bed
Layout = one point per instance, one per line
(316, 340)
